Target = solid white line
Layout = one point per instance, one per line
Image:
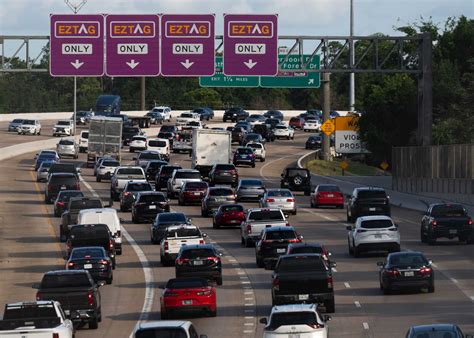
(357, 304)
(365, 325)
(472, 298)
(271, 162)
(455, 281)
(334, 270)
(347, 285)
(248, 324)
(248, 331)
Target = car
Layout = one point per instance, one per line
(448, 220)
(130, 192)
(84, 141)
(169, 128)
(373, 233)
(250, 188)
(315, 113)
(316, 248)
(178, 178)
(215, 197)
(43, 171)
(279, 198)
(274, 114)
(30, 127)
(265, 130)
(145, 156)
(257, 219)
(223, 174)
(166, 328)
(245, 156)
(235, 114)
(15, 124)
(314, 142)
(61, 202)
(155, 117)
(186, 117)
(406, 270)
(60, 168)
(201, 260)
(296, 179)
(188, 295)
(148, 204)
(228, 215)
(253, 137)
(272, 122)
(72, 210)
(436, 330)
(193, 125)
(258, 150)
(128, 132)
(274, 242)
(161, 145)
(192, 193)
(167, 135)
(204, 113)
(327, 195)
(163, 175)
(64, 127)
(164, 112)
(67, 147)
(106, 168)
(238, 135)
(247, 126)
(137, 142)
(175, 237)
(366, 201)
(93, 259)
(333, 114)
(305, 319)
(46, 152)
(152, 168)
(83, 117)
(163, 221)
(312, 124)
(57, 182)
(46, 156)
(256, 119)
(284, 131)
(297, 122)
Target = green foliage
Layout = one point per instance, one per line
(204, 97)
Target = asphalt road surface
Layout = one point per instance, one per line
(30, 246)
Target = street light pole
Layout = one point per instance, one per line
(352, 58)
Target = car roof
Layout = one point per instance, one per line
(446, 204)
(263, 209)
(180, 226)
(142, 193)
(165, 323)
(433, 327)
(405, 253)
(294, 308)
(99, 210)
(278, 189)
(279, 228)
(197, 246)
(369, 189)
(65, 272)
(88, 248)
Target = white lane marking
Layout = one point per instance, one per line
(248, 292)
(248, 324)
(454, 280)
(240, 272)
(244, 282)
(249, 317)
(347, 285)
(434, 265)
(472, 298)
(248, 298)
(357, 304)
(365, 325)
(334, 270)
(146, 266)
(319, 214)
(248, 331)
(249, 304)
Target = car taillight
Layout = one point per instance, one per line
(270, 200)
(315, 326)
(111, 245)
(90, 298)
(276, 283)
(71, 264)
(426, 271)
(249, 228)
(204, 293)
(201, 241)
(294, 240)
(434, 223)
(126, 193)
(39, 296)
(181, 261)
(290, 199)
(330, 283)
(55, 335)
(233, 172)
(103, 262)
(392, 272)
(61, 204)
(469, 222)
(166, 245)
(78, 186)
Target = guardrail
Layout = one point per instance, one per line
(307, 157)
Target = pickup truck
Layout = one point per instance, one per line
(121, 176)
(43, 319)
(69, 217)
(175, 237)
(183, 142)
(303, 278)
(76, 291)
(258, 219)
(187, 117)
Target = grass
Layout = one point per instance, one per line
(333, 168)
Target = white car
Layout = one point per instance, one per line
(295, 320)
(178, 178)
(373, 233)
(138, 142)
(160, 145)
(186, 117)
(162, 328)
(312, 125)
(193, 125)
(258, 150)
(284, 131)
(175, 237)
(106, 168)
(63, 127)
(67, 147)
(84, 141)
(32, 127)
(165, 112)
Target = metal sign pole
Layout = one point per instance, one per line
(352, 58)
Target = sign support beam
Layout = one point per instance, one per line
(326, 151)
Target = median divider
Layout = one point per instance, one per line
(306, 158)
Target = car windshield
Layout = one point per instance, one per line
(139, 187)
(184, 283)
(288, 234)
(149, 156)
(187, 115)
(129, 171)
(266, 215)
(221, 192)
(161, 332)
(183, 232)
(251, 183)
(158, 110)
(188, 174)
(229, 208)
(63, 123)
(297, 172)
(87, 253)
(408, 260)
(17, 121)
(448, 211)
(301, 263)
(368, 194)
(244, 151)
(172, 217)
(56, 281)
(292, 318)
(153, 143)
(148, 198)
(197, 253)
(66, 142)
(279, 193)
(376, 224)
(29, 122)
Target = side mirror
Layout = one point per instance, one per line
(286, 215)
(263, 321)
(333, 264)
(327, 318)
(349, 227)
(190, 220)
(204, 235)
(300, 237)
(380, 264)
(35, 285)
(100, 283)
(430, 262)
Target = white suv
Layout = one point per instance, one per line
(32, 127)
(178, 178)
(165, 112)
(258, 149)
(373, 233)
(63, 127)
(296, 320)
(283, 131)
(175, 237)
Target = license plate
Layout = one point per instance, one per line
(225, 174)
(87, 266)
(303, 297)
(63, 187)
(281, 250)
(187, 302)
(453, 231)
(378, 236)
(198, 263)
(152, 207)
(196, 193)
(220, 200)
(330, 195)
(294, 335)
(409, 274)
(234, 221)
(371, 209)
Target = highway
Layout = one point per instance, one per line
(30, 246)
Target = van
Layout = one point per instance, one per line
(161, 146)
(106, 216)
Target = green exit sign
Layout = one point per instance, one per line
(221, 80)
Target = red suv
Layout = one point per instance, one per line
(229, 215)
(297, 122)
(192, 192)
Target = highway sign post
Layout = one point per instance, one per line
(132, 45)
(294, 80)
(187, 45)
(221, 80)
(76, 45)
(250, 44)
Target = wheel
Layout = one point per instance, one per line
(109, 280)
(307, 192)
(297, 180)
(122, 208)
(253, 165)
(94, 324)
(295, 212)
(213, 313)
(386, 290)
(62, 235)
(259, 262)
(242, 241)
(135, 219)
(164, 315)
(330, 306)
(288, 137)
(431, 288)
(356, 251)
(219, 280)
(179, 202)
(350, 249)
(248, 243)
(470, 240)
(262, 159)
(431, 239)
(203, 213)
(98, 178)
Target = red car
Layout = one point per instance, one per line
(188, 295)
(192, 193)
(228, 215)
(296, 122)
(327, 195)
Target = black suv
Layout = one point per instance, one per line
(235, 114)
(58, 182)
(238, 135)
(265, 130)
(273, 243)
(274, 114)
(296, 179)
(223, 174)
(152, 167)
(201, 260)
(163, 175)
(130, 192)
(148, 204)
(366, 201)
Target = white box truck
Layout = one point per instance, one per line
(210, 147)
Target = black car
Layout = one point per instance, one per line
(446, 220)
(148, 204)
(315, 112)
(253, 137)
(244, 124)
(366, 201)
(61, 202)
(223, 174)
(316, 248)
(245, 156)
(314, 142)
(83, 117)
(201, 260)
(273, 243)
(72, 210)
(265, 130)
(235, 114)
(296, 179)
(128, 132)
(130, 192)
(167, 135)
(152, 168)
(164, 220)
(204, 114)
(64, 168)
(93, 259)
(407, 269)
(272, 122)
(58, 182)
(274, 114)
(163, 175)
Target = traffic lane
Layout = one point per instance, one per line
(230, 296)
(30, 247)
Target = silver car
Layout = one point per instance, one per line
(279, 198)
(15, 124)
(67, 147)
(43, 170)
(250, 189)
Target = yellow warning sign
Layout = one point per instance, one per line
(347, 123)
(328, 127)
(344, 165)
(384, 165)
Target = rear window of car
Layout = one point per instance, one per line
(331, 188)
(229, 208)
(188, 175)
(66, 142)
(65, 180)
(292, 318)
(110, 163)
(225, 167)
(197, 253)
(46, 164)
(67, 195)
(307, 249)
(448, 211)
(255, 145)
(376, 224)
(156, 164)
(183, 232)
(301, 263)
(408, 260)
(157, 143)
(167, 129)
(165, 134)
(266, 215)
(149, 156)
(220, 192)
(184, 283)
(129, 171)
(280, 127)
(289, 234)
(167, 170)
(367, 194)
(89, 252)
(279, 193)
(295, 119)
(196, 185)
(172, 217)
(251, 182)
(86, 232)
(85, 204)
(131, 130)
(139, 187)
(244, 151)
(65, 281)
(237, 129)
(85, 134)
(29, 312)
(299, 172)
(152, 198)
(161, 332)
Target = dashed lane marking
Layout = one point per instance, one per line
(357, 304)
(365, 325)
(347, 285)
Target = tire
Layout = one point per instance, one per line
(307, 192)
(164, 315)
(98, 178)
(431, 288)
(213, 313)
(253, 165)
(356, 251)
(242, 241)
(431, 240)
(470, 240)
(386, 290)
(297, 180)
(350, 249)
(330, 306)
(122, 208)
(94, 324)
(262, 159)
(62, 236)
(288, 137)
(219, 280)
(259, 262)
(248, 243)
(109, 280)
(179, 202)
